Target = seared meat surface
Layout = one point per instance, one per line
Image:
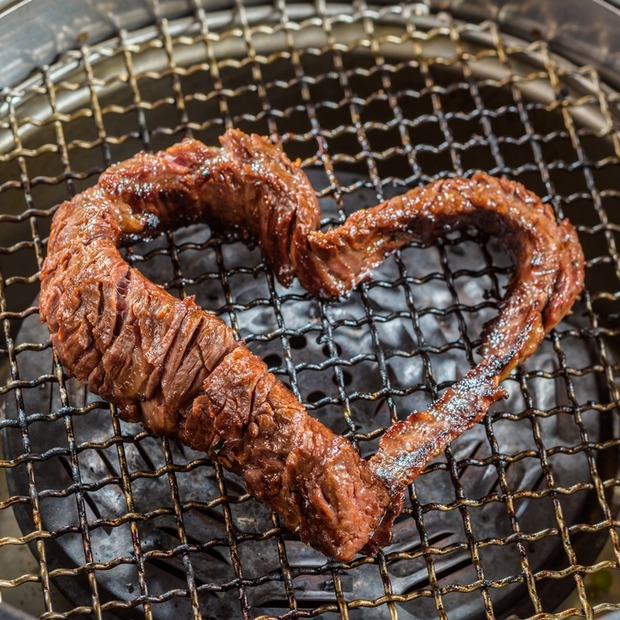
(179, 370)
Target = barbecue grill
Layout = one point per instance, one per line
(373, 99)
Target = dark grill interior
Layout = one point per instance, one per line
(373, 101)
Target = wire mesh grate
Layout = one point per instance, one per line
(372, 100)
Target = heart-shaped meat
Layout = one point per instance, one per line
(178, 369)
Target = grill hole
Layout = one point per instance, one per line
(316, 396)
(326, 351)
(273, 360)
(298, 341)
(347, 378)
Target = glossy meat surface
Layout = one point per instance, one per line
(179, 370)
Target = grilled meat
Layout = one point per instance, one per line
(180, 371)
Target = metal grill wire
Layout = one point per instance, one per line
(369, 88)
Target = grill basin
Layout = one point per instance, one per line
(373, 100)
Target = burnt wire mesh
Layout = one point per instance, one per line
(372, 101)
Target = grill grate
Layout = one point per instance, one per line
(372, 100)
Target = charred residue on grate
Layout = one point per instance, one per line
(512, 516)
